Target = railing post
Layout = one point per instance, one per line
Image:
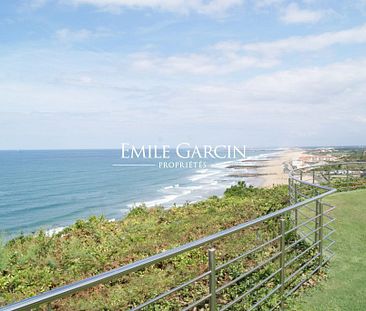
(300, 175)
(282, 261)
(295, 192)
(321, 234)
(313, 176)
(296, 218)
(295, 201)
(291, 190)
(317, 221)
(212, 280)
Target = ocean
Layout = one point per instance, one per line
(52, 189)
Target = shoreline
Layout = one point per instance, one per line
(275, 172)
(270, 171)
(219, 177)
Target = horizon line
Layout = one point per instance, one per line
(249, 148)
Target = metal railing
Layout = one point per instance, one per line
(301, 247)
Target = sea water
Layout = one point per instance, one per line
(52, 189)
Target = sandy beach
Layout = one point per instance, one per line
(273, 171)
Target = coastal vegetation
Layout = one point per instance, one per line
(36, 263)
(352, 183)
(352, 154)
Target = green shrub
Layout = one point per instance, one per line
(33, 264)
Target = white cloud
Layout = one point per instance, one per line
(35, 4)
(337, 87)
(67, 35)
(361, 119)
(266, 3)
(301, 44)
(293, 14)
(335, 84)
(179, 6)
(102, 89)
(198, 64)
(229, 57)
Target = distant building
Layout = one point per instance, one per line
(325, 150)
(308, 160)
(296, 163)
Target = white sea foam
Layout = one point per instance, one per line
(203, 183)
(157, 202)
(223, 165)
(53, 231)
(205, 175)
(171, 187)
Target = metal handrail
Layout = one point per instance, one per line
(67, 290)
(104, 277)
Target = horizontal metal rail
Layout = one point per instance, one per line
(171, 291)
(197, 303)
(302, 239)
(140, 264)
(265, 298)
(295, 288)
(247, 253)
(328, 248)
(290, 262)
(242, 296)
(295, 192)
(247, 273)
(329, 234)
(303, 224)
(276, 306)
(302, 268)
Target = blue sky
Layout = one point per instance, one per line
(96, 73)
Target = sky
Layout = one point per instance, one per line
(97, 73)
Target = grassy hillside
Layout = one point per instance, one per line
(345, 288)
(33, 264)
